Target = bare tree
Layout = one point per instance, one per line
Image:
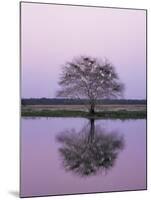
(90, 151)
(89, 78)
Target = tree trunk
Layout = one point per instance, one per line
(92, 131)
(92, 108)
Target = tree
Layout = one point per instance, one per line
(89, 78)
(89, 151)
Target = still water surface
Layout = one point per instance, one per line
(76, 155)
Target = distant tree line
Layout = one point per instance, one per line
(56, 101)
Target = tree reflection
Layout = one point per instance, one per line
(90, 150)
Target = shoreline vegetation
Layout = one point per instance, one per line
(121, 114)
(104, 109)
(102, 112)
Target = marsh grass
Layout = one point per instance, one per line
(121, 114)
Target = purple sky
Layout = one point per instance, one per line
(54, 34)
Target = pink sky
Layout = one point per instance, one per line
(54, 34)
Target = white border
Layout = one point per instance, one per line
(9, 106)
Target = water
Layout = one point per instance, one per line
(75, 155)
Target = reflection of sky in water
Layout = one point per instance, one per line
(42, 170)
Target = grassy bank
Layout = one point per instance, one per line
(121, 114)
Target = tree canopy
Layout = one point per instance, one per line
(90, 78)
